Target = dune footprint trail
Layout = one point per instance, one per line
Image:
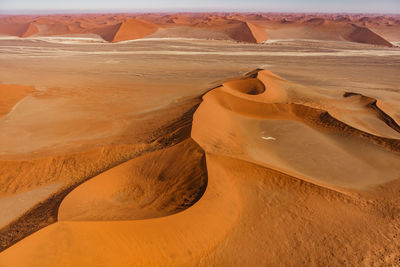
(280, 174)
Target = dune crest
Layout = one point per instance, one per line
(365, 35)
(246, 32)
(270, 128)
(131, 29)
(31, 30)
(154, 185)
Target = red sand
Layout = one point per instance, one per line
(251, 28)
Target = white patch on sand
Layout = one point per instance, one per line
(268, 138)
(58, 39)
(158, 39)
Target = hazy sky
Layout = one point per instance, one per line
(370, 6)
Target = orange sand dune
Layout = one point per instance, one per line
(154, 185)
(365, 35)
(16, 29)
(323, 29)
(195, 229)
(288, 183)
(244, 32)
(216, 28)
(252, 28)
(31, 30)
(245, 116)
(133, 29)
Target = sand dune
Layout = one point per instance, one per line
(245, 118)
(194, 229)
(154, 185)
(371, 105)
(269, 195)
(141, 142)
(323, 29)
(131, 29)
(31, 30)
(365, 35)
(251, 28)
(247, 32)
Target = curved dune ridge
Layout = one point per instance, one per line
(279, 175)
(154, 185)
(249, 28)
(372, 104)
(275, 129)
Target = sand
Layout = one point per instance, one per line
(249, 28)
(10, 95)
(158, 147)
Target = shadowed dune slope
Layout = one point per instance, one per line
(31, 30)
(133, 29)
(365, 35)
(15, 28)
(154, 185)
(244, 32)
(322, 29)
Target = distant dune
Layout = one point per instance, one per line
(250, 28)
(245, 32)
(365, 35)
(131, 29)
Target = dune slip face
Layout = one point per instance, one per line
(263, 171)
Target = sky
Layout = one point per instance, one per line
(349, 6)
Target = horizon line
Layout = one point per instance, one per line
(173, 11)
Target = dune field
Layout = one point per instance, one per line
(200, 140)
